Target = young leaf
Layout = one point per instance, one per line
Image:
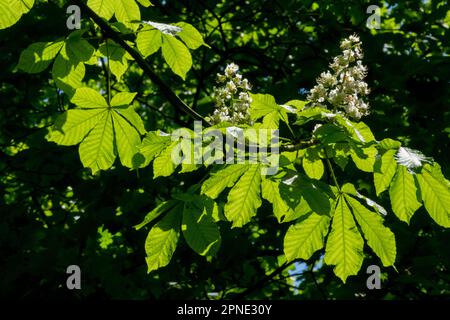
(312, 164)
(148, 41)
(12, 10)
(436, 196)
(72, 126)
(162, 239)
(156, 212)
(38, 56)
(190, 36)
(306, 237)
(97, 149)
(103, 8)
(379, 238)
(384, 171)
(244, 198)
(127, 140)
(344, 247)
(403, 194)
(88, 98)
(200, 231)
(163, 165)
(221, 179)
(176, 55)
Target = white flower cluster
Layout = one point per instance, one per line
(232, 97)
(344, 87)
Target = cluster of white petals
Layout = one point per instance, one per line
(344, 88)
(232, 98)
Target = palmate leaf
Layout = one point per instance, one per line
(164, 164)
(162, 239)
(403, 194)
(199, 230)
(379, 238)
(244, 198)
(12, 10)
(344, 247)
(101, 129)
(190, 36)
(306, 237)
(312, 164)
(148, 41)
(68, 76)
(152, 145)
(435, 194)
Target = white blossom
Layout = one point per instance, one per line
(410, 158)
(343, 87)
(232, 98)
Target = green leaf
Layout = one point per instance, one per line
(77, 49)
(436, 196)
(190, 36)
(163, 165)
(264, 105)
(97, 149)
(156, 212)
(127, 140)
(384, 171)
(200, 231)
(312, 164)
(72, 126)
(152, 145)
(122, 99)
(403, 194)
(12, 10)
(148, 41)
(133, 118)
(68, 76)
(244, 198)
(270, 192)
(317, 199)
(38, 56)
(88, 98)
(127, 11)
(364, 158)
(223, 178)
(103, 8)
(162, 239)
(306, 237)
(344, 247)
(116, 57)
(379, 238)
(387, 144)
(145, 3)
(176, 55)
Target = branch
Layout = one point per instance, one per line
(165, 90)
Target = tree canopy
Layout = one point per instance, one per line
(92, 116)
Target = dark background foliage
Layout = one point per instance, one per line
(54, 213)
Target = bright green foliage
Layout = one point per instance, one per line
(435, 194)
(199, 230)
(271, 192)
(222, 179)
(162, 239)
(379, 237)
(264, 106)
(103, 8)
(384, 171)
(176, 55)
(38, 56)
(306, 237)
(344, 244)
(403, 194)
(313, 165)
(100, 128)
(244, 198)
(12, 10)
